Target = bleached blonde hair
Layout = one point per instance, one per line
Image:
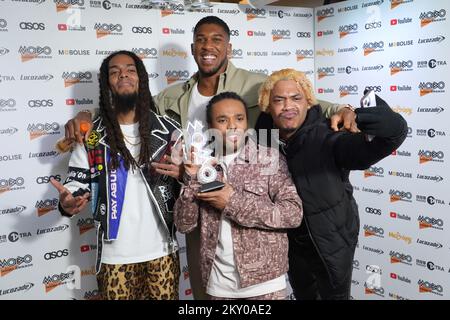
(285, 74)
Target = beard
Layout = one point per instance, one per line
(124, 103)
(214, 70)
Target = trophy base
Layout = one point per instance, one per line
(211, 186)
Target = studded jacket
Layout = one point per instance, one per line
(88, 172)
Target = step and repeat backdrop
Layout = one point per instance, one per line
(400, 50)
(50, 53)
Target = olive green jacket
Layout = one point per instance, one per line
(174, 101)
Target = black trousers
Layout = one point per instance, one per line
(307, 274)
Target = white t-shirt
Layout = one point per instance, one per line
(197, 107)
(142, 236)
(224, 278)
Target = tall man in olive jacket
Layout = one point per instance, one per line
(321, 250)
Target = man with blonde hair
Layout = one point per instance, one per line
(321, 250)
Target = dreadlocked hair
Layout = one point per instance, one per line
(143, 108)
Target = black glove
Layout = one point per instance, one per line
(380, 121)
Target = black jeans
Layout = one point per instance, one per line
(307, 274)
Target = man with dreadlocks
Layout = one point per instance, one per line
(131, 202)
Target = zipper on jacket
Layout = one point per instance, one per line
(172, 245)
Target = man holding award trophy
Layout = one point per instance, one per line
(242, 199)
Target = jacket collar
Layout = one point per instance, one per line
(159, 131)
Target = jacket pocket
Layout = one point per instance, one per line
(256, 187)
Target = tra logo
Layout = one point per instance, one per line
(348, 90)
(40, 103)
(56, 254)
(176, 75)
(323, 72)
(62, 5)
(32, 25)
(345, 30)
(146, 30)
(398, 257)
(396, 195)
(37, 130)
(431, 87)
(146, 53)
(85, 225)
(427, 156)
(430, 287)
(11, 264)
(304, 54)
(371, 47)
(374, 172)
(71, 78)
(106, 29)
(432, 16)
(254, 13)
(45, 206)
(398, 66)
(427, 222)
(324, 13)
(370, 231)
(28, 53)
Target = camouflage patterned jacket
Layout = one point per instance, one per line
(263, 205)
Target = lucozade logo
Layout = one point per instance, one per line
(432, 16)
(62, 5)
(107, 29)
(28, 53)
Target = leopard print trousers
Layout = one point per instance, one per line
(151, 280)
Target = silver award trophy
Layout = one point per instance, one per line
(207, 174)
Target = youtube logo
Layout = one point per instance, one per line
(250, 33)
(393, 276)
(319, 33)
(320, 91)
(85, 248)
(62, 27)
(70, 102)
(394, 22)
(393, 88)
(166, 30)
(393, 215)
